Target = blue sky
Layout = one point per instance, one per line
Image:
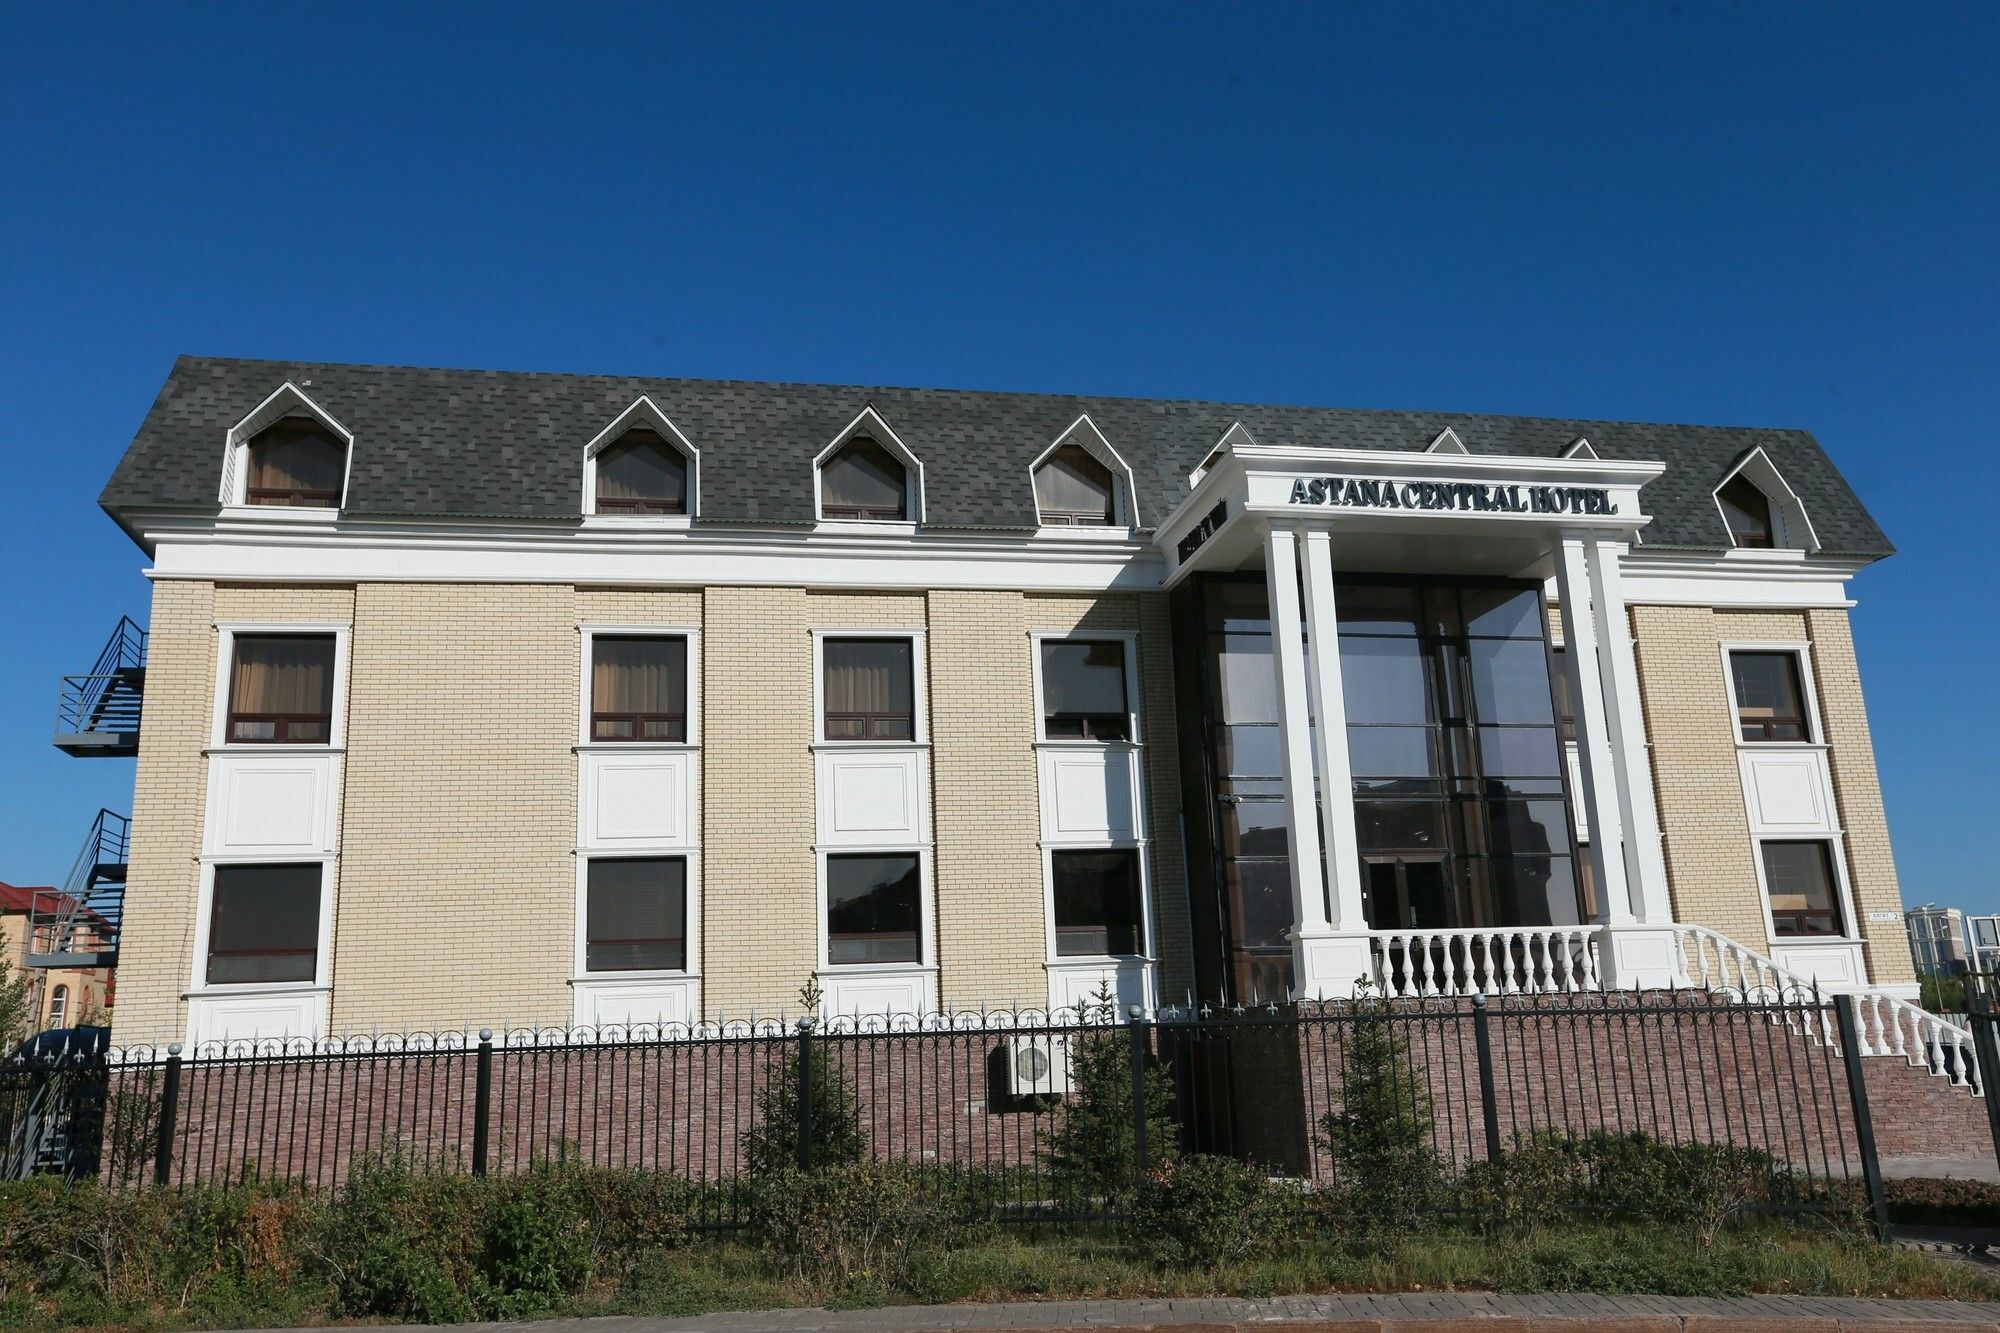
(1766, 215)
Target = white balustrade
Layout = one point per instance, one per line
(1519, 960)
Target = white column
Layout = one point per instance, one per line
(1645, 866)
(1288, 654)
(1593, 740)
(1336, 774)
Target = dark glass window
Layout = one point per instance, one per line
(1096, 903)
(1798, 877)
(870, 690)
(641, 473)
(635, 916)
(296, 463)
(1565, 712)
(263, 924)
(1747, 511)
(1385, 680)
(638, 688)
(281, 689)
(1770, 703)
(1083, 691)
(1074, 488)
(872, 910)
(863, 480)
(1510, 681)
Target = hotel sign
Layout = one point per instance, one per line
(1210, 524)
(1463, 497)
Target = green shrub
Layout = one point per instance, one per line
(1090, 1150)
(1205, 1211)
(867, 1222)
(1386, 1171)
(403, 1243)
(771, 1143)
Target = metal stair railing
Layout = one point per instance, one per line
(95, 701)
(78, 924)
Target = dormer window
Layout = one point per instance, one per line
(1747, 511)
(295, 463)
(641, 473)
(864, 481)
(1072, 489)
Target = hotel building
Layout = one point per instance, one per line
(493, 699)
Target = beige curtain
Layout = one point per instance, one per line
(638, 675)
(869, 676)
(283, 675)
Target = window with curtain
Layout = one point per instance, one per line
(281, 689)
(1073, 488)
(263, 924)
(870, 690)
(1770, 702)
(638, 688)
(1798, 877)
(296, 463)
(641, 473)
(1096, 899)
(863, 480)
(1083, 691)
(872, 909)
(635, 916)
(1747, 511)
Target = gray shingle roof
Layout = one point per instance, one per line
(468, 443)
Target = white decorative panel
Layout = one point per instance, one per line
(1835, 965)
(869, 798)
(1579, 808)
(868, 992)
(1087, 795)
(271, 804)
(1076, 985)
(1787, 791)
(272, 1015)
(638, 799)
(628, 1003)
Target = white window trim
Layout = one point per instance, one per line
(1447, 442)
(1130, 640)
(198, 983)
(919, 689)
(870, 423)
(1842, 889)
(1801, 651)
(1792, 525)
(927, 945)
(589, 633)
(690, 915)
(642, 412)
(286, 400)
(225, 661)
(1581, 447)
(1141, 849)
(1083, 433)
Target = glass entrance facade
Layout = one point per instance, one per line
(1461, 810)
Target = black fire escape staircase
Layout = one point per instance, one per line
(77, 925)
(98, 712)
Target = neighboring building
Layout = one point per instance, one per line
(1937, 940)
(60, 996)
(482, 698)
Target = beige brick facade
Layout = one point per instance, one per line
(1711, 858)
(455, 901)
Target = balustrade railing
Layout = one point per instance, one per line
(1518, 960)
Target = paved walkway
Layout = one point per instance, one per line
(1951, 1168)
(1409, 1313)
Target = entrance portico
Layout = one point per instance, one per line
(1343, 539)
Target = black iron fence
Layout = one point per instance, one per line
(1035, 1120)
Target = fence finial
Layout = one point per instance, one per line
(173, 1048)
(486, 1034)
(1479, 999)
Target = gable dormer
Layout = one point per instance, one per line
(868, 475)
(1759, 508)
(1447, 442)
(641, 466)
(289, 453)
(1081, 481)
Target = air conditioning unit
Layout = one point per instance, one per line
(1037, 1064)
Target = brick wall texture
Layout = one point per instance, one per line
(458, 816)
(1711, 865)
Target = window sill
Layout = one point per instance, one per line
(282, 513)
(877, 969)
(892, 746)
(273, 747)
(1795, 747)
(634, 978)
(1072, 743)
(1102, 960)
(1087, 532)
(640, 747)
(638, 522)
(239, 989)
(865, 527)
